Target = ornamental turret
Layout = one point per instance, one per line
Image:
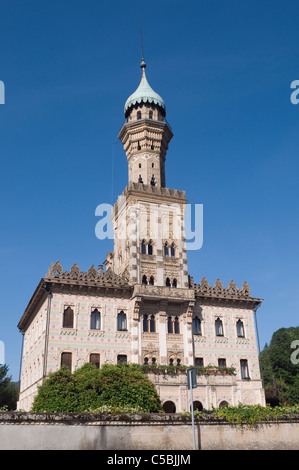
(145, 134)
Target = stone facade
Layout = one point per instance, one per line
(144, 307)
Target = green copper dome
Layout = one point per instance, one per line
(144, 93)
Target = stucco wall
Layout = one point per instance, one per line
(45, 431)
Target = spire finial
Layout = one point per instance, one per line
(143, 64)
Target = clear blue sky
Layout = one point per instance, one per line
(224, 69)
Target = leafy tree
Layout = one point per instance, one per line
(9, 391)
(121, 386)
(280, 375)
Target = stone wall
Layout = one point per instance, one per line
(49, 431)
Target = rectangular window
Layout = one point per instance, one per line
(66, 360)
(121, 358)
(244, 369)
(95, 360)
(199, 362)
(221, 362)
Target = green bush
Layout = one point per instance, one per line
(114, 388)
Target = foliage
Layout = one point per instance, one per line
(176, 368)
(88, 389)
(9, 391)
(280, 375)
(250, 415)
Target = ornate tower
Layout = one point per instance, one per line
(148, 218)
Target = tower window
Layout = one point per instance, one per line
(174, 283)
(166, 252)
(176, 326)
(139, 165)
(143, 247)
(145, 323)
(150, 114)
(149, 324)
(152, 324)
(153, 165)
(150, 248)
(140, 180)
(151, 281)
(168, 284)
(138, 114)
(153, 182)
(172, 251)
(144, 280)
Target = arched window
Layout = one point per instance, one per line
(153, 181)
(178, 362)
(150, 248)
(143, 247)
(151, 281)
(140, 180)
(144, 280)
(176, 325)
(169, 407)
(145, 323)
(150, 115)
(240, 329)
(169, 325)
(145, 361)
(66, 360)
(68, 318)
(218, 327)
(174, 283)
(197, 406)
(223, 403)
(95, 360)
(154, 360)
(196, 326)
(152, 324)
(171, 361)
(95, 320)
(138, 114)
(166, 253)
(122, 321)
(168, 282)
(172, 251)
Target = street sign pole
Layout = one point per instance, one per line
(191, 380)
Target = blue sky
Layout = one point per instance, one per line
(224, 70)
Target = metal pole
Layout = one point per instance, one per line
(192, 410)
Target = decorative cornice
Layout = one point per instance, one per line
(92, 277)
(230, 293)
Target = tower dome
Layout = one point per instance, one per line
(144, 94)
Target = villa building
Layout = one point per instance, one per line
(143, 306)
